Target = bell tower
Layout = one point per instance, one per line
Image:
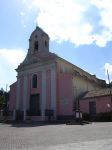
(38, 48)
(38, 42)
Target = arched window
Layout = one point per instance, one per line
(34, 81)
(45, 43)
(36, 46)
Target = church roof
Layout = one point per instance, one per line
(84, 74)
(38, 57)
(39, 29)
(97, 93)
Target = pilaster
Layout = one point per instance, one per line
(25, 96)
(53, 91)
(18, 94)
(43, 104)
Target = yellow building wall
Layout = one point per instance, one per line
(79, 83)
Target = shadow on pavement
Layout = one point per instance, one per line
(20, 124)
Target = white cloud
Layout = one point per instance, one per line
(9, 60)
(63, 20)
(22, 13)
(69, 20)
(105, 9)
(12, 56)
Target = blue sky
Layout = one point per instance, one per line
(80, 32)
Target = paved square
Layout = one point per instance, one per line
(95, 136)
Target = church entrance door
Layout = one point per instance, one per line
(35, 105)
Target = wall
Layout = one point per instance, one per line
(39, 86)
(65, 97)
(101, 104)
(81, 81)
(81, 85)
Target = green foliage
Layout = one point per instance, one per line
(4, 96)
(2, 101)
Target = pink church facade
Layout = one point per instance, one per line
(54, 86)
(47, 84)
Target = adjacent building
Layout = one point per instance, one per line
(97, 104)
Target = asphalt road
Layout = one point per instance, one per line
(95, 136)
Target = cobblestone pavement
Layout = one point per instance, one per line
(95, 136)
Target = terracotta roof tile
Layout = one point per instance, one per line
(96, 93)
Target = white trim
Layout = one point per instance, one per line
(43, 104)
(37, 68)
(25, 96)
(18, 94)
(53, 90)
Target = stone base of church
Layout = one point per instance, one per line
(19, 115)
(65, 117)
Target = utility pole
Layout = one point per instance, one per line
(110, 92)
(109, 82)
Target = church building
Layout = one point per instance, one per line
(47, 86)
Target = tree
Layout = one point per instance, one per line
(3, 99)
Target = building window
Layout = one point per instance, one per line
(36, 46)
(45, 43)
(36, 36)
(34, 81)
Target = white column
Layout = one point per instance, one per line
(25, 96)
(43, 104)
(18, 94)
(53, 91)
